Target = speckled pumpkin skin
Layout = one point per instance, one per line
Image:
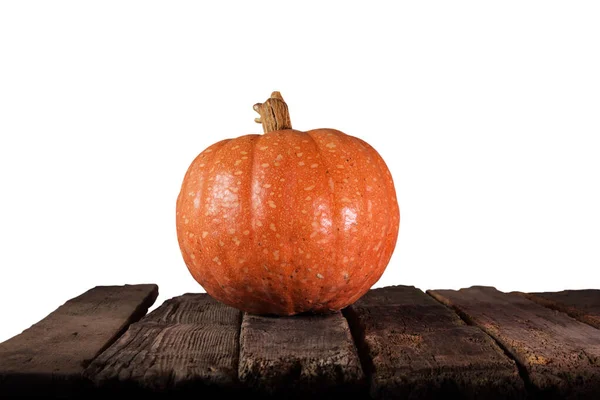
(288, 221)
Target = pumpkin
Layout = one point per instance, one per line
(287, 222)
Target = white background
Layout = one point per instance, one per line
(487, 114)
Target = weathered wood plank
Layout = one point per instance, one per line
(188, 345)
(561, 356)
(583, 305)
(300, 356)
(414, 347)
(50, 356)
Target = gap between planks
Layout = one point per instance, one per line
(583, 305)
(338, 357)
(414, 347)
(49, 357)
(520, 367)
(404, 303)
(560, 354)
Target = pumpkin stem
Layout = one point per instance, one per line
(274, 114)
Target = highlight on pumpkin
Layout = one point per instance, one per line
(287, 221)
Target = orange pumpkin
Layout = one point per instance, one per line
(287, 222)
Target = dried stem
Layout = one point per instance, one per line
(274, 114)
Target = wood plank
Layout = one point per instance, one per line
(414, 347)
(188, 345)
(583, 305)
(560, 355)
(299, 356)
(50, 356)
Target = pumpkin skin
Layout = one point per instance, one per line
(288, 222)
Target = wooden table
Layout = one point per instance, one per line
(395, 342)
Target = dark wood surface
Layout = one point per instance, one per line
(394, 342)
(415, 347)
(190, 343)
(299, 357)
(583, 305)
(49, 357)
(559, 355)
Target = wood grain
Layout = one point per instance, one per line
(300, 356)
(414, 347)
(560, 355)
(583, 305)
(49, 357)
(190, 344)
